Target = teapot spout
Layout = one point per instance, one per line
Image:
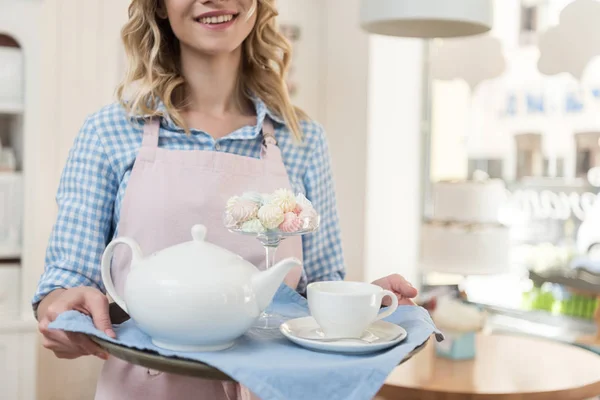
(266, 283)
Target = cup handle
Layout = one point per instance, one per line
(391, 308)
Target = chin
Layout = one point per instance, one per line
(216, 48)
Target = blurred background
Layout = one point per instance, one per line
(471, 166)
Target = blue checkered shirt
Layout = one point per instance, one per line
(99, 165)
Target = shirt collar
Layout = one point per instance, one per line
(248, 132)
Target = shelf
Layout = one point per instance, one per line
(580, 279)
(13, 324)
(11, 108)
(10, 256)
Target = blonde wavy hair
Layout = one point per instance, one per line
(153, 72)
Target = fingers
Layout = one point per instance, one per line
(403, 287)
(71, 345)
(66, 355)
(64, 344)
(402, 301)
(97, 304)
(86, 346)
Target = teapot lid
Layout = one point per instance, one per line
(198, 253)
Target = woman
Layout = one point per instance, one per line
(203, 109)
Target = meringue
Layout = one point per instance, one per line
(253, 226)
(230, 222)
(297, 209)
(231, 202)
(254, 197)
(243, 210)
(309, 218)
(270, 216)
(266, 198)
(284, 199)
(303, 202)
(291, 223)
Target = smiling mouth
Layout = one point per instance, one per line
(217, 19)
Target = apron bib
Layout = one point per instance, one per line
(168, 192)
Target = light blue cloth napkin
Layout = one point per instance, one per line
(274, 368)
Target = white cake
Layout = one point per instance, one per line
(468, 201)
(464, 235)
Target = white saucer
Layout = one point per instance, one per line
(380, 334)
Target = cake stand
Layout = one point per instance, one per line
(271, 239)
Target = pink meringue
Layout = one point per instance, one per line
(243, 210)
(297, 209)
(291, 223)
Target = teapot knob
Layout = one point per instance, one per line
(199, 232)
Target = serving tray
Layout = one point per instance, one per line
(173, 365)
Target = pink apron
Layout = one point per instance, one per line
(168, 192)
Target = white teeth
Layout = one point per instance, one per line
(216, 20)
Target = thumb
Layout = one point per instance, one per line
(97, 305)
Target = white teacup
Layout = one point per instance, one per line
(346, 309)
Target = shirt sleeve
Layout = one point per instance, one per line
(322, 250)
(85, 199)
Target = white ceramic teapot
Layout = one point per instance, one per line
(194, 296)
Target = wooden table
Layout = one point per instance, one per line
(505, 368)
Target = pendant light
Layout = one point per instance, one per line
(426, 18)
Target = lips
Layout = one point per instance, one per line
(216, 17)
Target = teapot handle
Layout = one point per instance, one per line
(106, 263)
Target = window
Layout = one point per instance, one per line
(530, 160)
(492, 167)
(588, 152)
(529, 19)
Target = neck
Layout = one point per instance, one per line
(212, 82)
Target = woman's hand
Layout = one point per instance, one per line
(400, 287)
(70, 345)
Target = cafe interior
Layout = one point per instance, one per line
(464, 138)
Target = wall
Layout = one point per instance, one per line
(372, 102)
(344, 62)
(80, 54)
(394, 158)
(332, 68)
(309, 17)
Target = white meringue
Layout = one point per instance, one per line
(303, 202)
(270, 216)
(230, 222)
(310, 219)
(284, 199)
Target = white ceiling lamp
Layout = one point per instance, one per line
(427, 18)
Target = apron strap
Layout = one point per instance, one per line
(151, 130)
(269, 142)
